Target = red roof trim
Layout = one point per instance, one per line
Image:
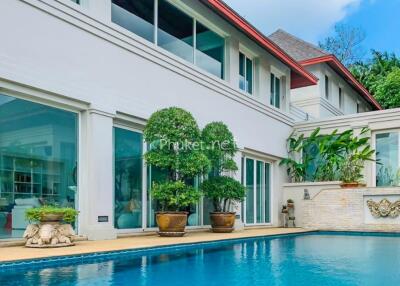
(339, 67)
(299, 76)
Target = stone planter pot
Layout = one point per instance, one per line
(222, 222)
(51, 218)
(171, 224)
(352, 185)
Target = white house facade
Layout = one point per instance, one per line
(79, 79)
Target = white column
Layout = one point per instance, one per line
(232, 62)
(96, 198)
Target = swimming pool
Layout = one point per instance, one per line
(319, 258)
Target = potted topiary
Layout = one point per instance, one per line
(174, 147)
(357, 152)
(222, 190)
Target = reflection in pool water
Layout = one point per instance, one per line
(316, 259)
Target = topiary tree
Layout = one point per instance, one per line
(220, 149)
(174, 147)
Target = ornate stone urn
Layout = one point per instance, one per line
(49, 233)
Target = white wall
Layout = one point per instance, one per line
(107, 73)
(312, 99)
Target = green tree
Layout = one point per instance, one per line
(388, 92)
(374, 75)
(174, 137)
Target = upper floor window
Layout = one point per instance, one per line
(275, 91)
(170, 28)
(341, 99)
(326, 87)
(358, 107)
(135, 16)
(76, 1)
(245, 73)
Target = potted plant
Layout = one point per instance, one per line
(357, 152)
(174, 147)
(221, 189)
(51, 214)
(48, 229)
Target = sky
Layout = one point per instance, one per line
(314, 20)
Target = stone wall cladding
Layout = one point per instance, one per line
(344, 209)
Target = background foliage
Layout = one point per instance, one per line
(328, 157)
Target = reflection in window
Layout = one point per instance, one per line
(387, 154)
(136, 16)
(209, 50)
(175, 31)
(128, 178)
(38, 160)
(245, 73)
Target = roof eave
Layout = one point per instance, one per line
(300, 77)
(341, 69)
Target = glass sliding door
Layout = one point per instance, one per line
(388, 156)
(156, 175)
(249, 191)
(256, 178)
(38, 160)
(128, 166)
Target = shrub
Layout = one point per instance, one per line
(174, 137)
(221, 149)
(36, 214)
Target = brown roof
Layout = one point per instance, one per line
(297, 48)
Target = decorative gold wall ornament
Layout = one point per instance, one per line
(384, 208)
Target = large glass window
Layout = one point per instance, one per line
(326, 87)
(210, 50)
(257, 183)
(388, 157)
(175, 31)
(275, 91)
(245, 73)
(128, 164)
(38, 160)
(136, 16)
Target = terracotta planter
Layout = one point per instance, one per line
(51, 218)
(222, 222)
(171, 224)
(352, 185)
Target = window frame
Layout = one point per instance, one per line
(273, 84)
(341, 98)
(247, 57)
(327, 87)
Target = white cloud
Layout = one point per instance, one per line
(308, 19)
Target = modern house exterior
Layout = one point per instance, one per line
(79, 79)
(337, 92)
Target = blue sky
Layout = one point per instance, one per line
(313, 20)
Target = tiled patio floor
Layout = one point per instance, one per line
(19, 253)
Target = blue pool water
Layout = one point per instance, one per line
(309, 259)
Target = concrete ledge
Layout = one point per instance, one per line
(86, 247)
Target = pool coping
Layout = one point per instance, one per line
(110, 253)
(66, 260)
